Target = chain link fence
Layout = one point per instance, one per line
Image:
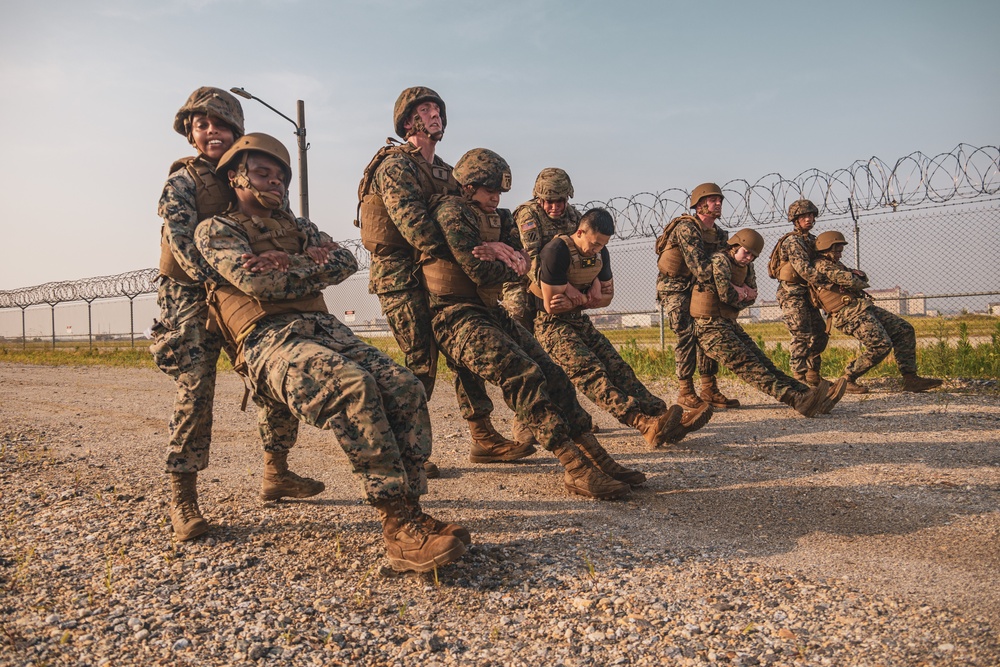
(925, 230)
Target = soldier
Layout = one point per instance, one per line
(581, 261)
(538, 221)
(294, 353)
(851, 310)
(183, 347)
(393, 214)
(474, 331)
(715, 305)
(684, 249)
(791, 265)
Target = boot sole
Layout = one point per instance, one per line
(277, 495)
(586, 493)
(449, 556)
(840, 388)
(699, 421)
(197, 532)
(504, 458)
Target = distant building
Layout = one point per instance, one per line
(637, 320)
(993, 309)
(608, 321)
(768, 311)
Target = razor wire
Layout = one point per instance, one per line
(127, 285)
(966, 172)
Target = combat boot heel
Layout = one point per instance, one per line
(807, 403)
(583, 478)
(409, 545)
(185, 517)
(599, 457)
(488, 446)
(280, 482)
(914, 383)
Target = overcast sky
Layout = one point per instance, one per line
(627, 96)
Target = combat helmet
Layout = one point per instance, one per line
(408, 101)
(481, 166)
(211, 102)
(801, 207)
(705, 190)
(749, 239)
(552, 183)
(256, 142)
(827, 240)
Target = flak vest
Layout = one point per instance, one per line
(783, 269)
(581, 273)
(705, 302)
(213, 196)
(443, 277)
(834, 298)
(233, 311)
(671, 260)
(377, 228)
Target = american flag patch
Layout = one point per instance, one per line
(528, 224)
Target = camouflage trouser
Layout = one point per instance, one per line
(594, 366)
(880, 332)
(492, 345)
(188, 352)
(519, 303)
(727, 343)
(409, 318)
(687, 353)
(808, 330)
(330, 379)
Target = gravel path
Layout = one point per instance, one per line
(867, 537)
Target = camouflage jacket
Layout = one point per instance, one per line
(837, 273)
(460, 230)
(536, 229)
(688, 239)
(721, 281)
(179, 210)
(799, 249)
(222, 243)
(396, 181)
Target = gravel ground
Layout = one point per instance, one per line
(867, 537)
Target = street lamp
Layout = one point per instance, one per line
(300, 132)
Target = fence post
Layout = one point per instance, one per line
(857, 236)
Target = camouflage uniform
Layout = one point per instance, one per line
(183, 346)
(395, 278)
(487, 341)
(321, 372)
(593, 363)
(876, 328)
(536, 229)
(674, 295)
(803, 319)
(728, 344)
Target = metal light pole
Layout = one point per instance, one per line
(300, 132)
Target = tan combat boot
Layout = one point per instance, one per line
(833, 395)
(599, 457)
(431, 470)
(694, 418)
(686, 396)
(409, 545)
(853, 387)
(435, 526)
(808, 403)
(663, 429)
(812, 377)
(583, 478)
(915, 383)
(280, 482)
(710, 394)
(488, 446)
(523, 434)
(185, 517)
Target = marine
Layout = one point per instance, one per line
(841, 294)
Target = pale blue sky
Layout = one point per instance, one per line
(627, 96)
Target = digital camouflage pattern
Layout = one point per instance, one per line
(553, 183)
(322, 372)
(481, 166)
(488, 342)
(801, 207)
(804, 321)
(876, 328)
(594, 366)
(729, 345)
(674, 294)
(535, 229)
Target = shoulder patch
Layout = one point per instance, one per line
(528, 224)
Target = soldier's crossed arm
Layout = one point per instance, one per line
(406, 203)
(798, 256)
(693, 250)
(460, 229)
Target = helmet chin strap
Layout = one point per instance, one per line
(418, 126)
(268, 200)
